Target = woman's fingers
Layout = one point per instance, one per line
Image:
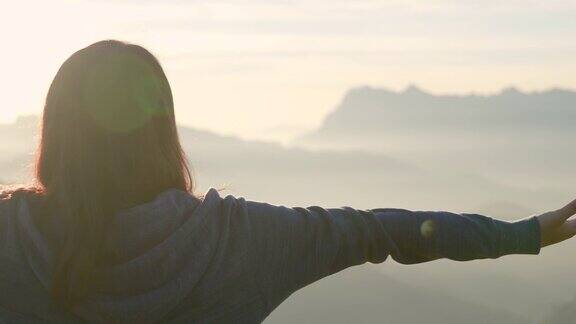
(556, 226)
(568, 210)
(566, 231)
(570, 227)
(555, 234)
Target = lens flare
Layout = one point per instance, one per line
(123, 94)
(427, 228)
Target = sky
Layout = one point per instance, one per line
(269, 70)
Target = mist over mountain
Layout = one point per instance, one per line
(562, 313)
(289, 175)
(512, 136)
(379, 298)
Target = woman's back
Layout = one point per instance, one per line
(176, 259)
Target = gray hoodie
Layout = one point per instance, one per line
(183, 259)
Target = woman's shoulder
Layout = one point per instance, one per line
(10, 195)
(10, 192)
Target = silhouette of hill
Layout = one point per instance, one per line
(368, 111)
(510, 136)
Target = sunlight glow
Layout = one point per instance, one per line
(268, 66)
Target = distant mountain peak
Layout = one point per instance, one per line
(413, 89)
(367, 115)
(511, 91)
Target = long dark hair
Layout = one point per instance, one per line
(108, 141)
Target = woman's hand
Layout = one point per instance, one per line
(555, 226)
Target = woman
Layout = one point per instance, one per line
(111, 232)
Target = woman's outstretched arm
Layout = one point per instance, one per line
(293, 247)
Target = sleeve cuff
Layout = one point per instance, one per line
(521, 237)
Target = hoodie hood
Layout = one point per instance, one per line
(159, 250)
